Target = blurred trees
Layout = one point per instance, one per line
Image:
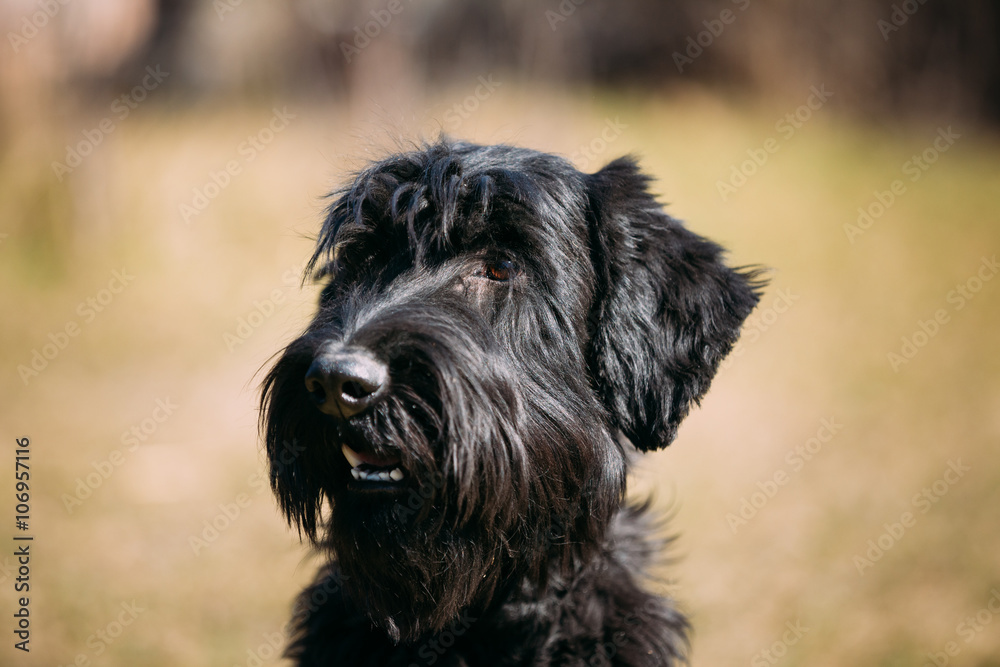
(883, 57)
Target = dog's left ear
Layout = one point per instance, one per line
(667, 309)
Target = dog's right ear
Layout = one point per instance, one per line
(667, 309)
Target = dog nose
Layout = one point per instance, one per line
(346, 382)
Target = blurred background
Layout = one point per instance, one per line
(163, 166)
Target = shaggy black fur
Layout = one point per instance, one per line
(525, 323)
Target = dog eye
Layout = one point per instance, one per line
(500, 271)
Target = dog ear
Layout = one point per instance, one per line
(667, 309)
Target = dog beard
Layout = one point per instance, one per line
(470, 524)
(412, 577)
(499, 487)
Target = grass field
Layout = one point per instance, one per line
(790, 486)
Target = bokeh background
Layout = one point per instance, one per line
(163, 165)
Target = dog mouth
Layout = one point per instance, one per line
(372, 469)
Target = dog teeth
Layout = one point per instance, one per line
(367, 475)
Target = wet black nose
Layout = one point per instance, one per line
(346, 382)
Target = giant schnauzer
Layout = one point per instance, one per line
(496, 332)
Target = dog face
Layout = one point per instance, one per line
(491, 321)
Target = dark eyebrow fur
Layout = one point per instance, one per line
(426, 191)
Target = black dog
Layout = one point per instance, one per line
(452, 428)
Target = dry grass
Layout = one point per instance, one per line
(162, 338)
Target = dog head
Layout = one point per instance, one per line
(491, 321)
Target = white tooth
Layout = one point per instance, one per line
(351, 456)
(355, 473)
(396, 474)
(384, 476)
